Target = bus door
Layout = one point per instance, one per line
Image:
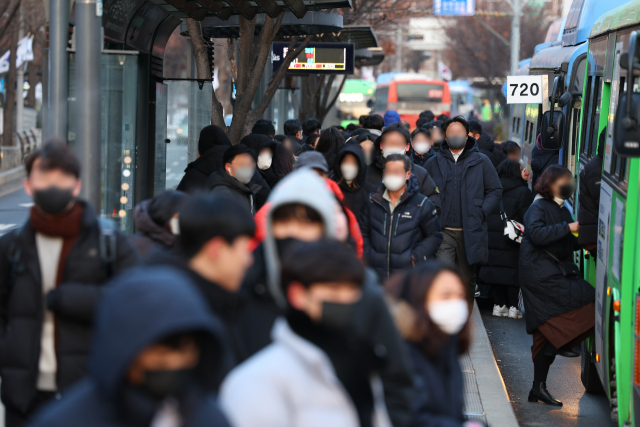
(531, 115)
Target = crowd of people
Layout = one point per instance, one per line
(323, 276)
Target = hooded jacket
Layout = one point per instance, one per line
(269, 174)
(393, 241)
(212, 145)
(470, 192)
(488, 147)
(354, 198)
(224, 184)
(540, 160)
(139, 309)
(150, 235)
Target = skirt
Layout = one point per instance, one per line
(566, 329)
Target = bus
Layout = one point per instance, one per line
(355, 100)
(410, 94)
(464, 98)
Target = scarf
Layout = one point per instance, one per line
(67, 226)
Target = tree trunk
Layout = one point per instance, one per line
(9, 105)
(13, 8)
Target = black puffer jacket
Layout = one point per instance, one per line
(589, 201)
(546, 292)
(540, 161)
(502, 268)
(223, 183)
(212, 144)
(421, 159)
(22, 302)
(354, 197)
(393, 241)
(488, 147)
(150, 235)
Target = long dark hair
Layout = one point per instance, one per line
(549, 177)
(412, 288)
(282, 161)
(509, 169)
(330, 142)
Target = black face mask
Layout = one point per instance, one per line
(336, 316)
(53, 200)
(284, 244)
(163, 383)
(567, 190)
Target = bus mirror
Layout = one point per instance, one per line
(624, 60)
(626, 136)
(564, 99)
(552, 133)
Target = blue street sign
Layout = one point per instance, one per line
(2, 85)
(454, 7)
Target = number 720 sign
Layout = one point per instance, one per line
(524, 90)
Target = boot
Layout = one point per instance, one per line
(540, 393)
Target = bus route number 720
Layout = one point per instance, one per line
(524, 89)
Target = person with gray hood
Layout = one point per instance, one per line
(302, 208)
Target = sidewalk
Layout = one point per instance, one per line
(485, 395)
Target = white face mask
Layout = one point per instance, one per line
(264, 161)
(174, 224)
(421, 147)
(386, 152)
(349, 172)
(449, 315)
(243, 174)
(394, 182)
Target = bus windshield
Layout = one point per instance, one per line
(408, 92)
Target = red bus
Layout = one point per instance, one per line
(410, 95)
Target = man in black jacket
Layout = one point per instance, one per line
(51, 274)
(470, 191)
(234, 180)
(486, 144)
(212, 145)
(310, 127)
(589, 197)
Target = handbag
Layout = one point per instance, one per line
(567, 268)
(513, 230)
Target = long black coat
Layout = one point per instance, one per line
(392, 240)
(22, 302)
(224, 184)
(488, 147)
(540, 161)
(354, 198)
(502, 268)
(589, 201)
(197, 172)
(474, 180)
(546, 292)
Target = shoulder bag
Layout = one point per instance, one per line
(568, 268)
(513, 230)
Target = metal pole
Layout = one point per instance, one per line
(87, 115)
(399, 49)
(58, 84)
(515, 37)
(20, 84)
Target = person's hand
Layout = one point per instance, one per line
(525, 174)
(574, 227)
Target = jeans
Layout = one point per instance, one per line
(452, 252)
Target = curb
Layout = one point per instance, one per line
(493, 393)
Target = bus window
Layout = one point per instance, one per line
(408, 92)
(518, 126)
(382, 95)
(595, 118)
(585, 122)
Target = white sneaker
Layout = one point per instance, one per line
(500, 311)
(514, 313)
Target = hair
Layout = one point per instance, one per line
(509, 169)
(54, 154)
(312, 139)
(509, 147)
(406, 161)
(549, 177)
(442, 117)
(361, 119)
(292, 127)
(236, 150)
(339, 127)
(264, 127)
(279, 138)
(352, 126)
(296, 211)
(206, 216)
(165, 205)
(366, 137)
(323, 261)
(422, 121)
(310, 126)
(397, 127)
(433, 124)
(374, 121)
(330, 142)
(457, 119)
(423, 131)
(412, 288)
(405, 124)
(427, 114)
(282, 161)
(360, 131)
(475, 126)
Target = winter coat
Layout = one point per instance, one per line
(394, 241)
(269, 174)
(354, 198)
(488, 147)
(420, 159)
(222, 183)
(22, 302)
(139, 309)
(150, 235)
(292, 383)
(471, 187)
(546, 292)
(589, 201)
(540, 161)
(504, 255)
(197, 172)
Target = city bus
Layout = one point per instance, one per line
(410, 94)
(464, 98)
(355, 100)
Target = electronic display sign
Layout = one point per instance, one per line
(316, 58)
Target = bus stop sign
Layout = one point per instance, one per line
(524, 89)
(454, 7)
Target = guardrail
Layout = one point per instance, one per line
(28, 141)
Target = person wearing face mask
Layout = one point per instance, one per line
(437, 134)
(470, 192)
(317, 372)
(157, 222)
(158, 357)
(53, 269)
(430, 307)
(395, 139)
(420, 147)
(400, 226)
(234, 180)
(559, 304)
(266, 154)
(348, 172)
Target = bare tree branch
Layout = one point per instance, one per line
(199, 49)
(12, 8)
(231, 54)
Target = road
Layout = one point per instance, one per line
(512, 350)
(14, 209)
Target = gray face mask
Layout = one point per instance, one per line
(456, 141)
(244, 174)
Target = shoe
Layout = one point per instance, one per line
(514, 313)
(540, 393)
(566, 351)
(500, 311)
